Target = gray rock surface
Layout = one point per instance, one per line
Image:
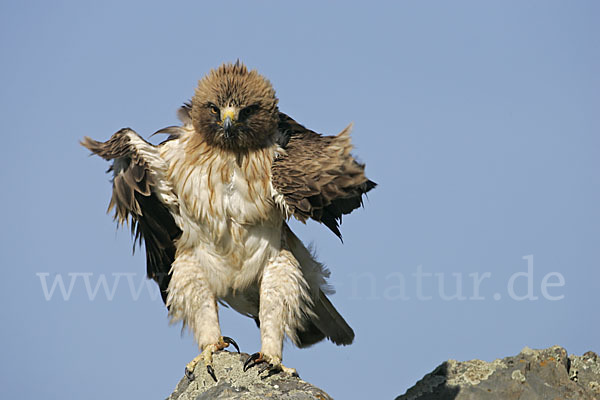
(236, 384)
(530, 375)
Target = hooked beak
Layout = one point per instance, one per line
(227, 124)
(228, 117)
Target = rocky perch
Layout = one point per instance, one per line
(234, 383)
(532, 375)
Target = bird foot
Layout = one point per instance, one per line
(272, 364)
(206, 357)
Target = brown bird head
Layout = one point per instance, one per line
(235, 109)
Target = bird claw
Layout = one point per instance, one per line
(232, 342)
(206, 356)
(189, 374)
(264, 368)
(211, 372)
(273, 364)
(209, 368)
(253, 360)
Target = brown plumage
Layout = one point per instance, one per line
(211, 204)
(134, 190)
(250, 94)
(318, 176)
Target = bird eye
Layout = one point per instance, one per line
(245, 112)
(214, 109)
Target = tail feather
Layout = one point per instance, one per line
(328, 324)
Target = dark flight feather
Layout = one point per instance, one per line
(134, 201)
(328, 324)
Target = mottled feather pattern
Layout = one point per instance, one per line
(317, 177)
(142, 197)
(232, 85)
(211, 204)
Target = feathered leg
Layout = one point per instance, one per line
(190, 300)
(285, 303)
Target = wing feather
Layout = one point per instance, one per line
(141, 196)
(317, 177)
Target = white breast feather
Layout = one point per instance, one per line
(230, 222)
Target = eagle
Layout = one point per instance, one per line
(212, 202)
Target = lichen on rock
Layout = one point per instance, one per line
(234, 383)
(533, 374)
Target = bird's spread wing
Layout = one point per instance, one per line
(143, 197)
(317, 177)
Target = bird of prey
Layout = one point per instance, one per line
(211, 204)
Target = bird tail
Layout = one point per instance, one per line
(327, 324)
(324, 321)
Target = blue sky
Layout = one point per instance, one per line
(479, 121)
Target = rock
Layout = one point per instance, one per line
(530, 375)
(236, 384)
